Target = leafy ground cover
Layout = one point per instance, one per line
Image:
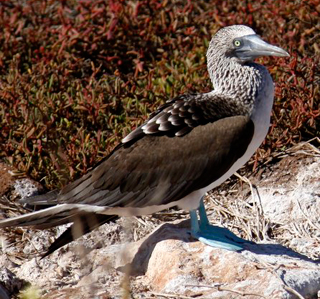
(77, 76)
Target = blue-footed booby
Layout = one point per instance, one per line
(188, 146)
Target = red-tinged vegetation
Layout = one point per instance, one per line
(77, 76)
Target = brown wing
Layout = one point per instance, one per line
(160, 169)
(155, 165)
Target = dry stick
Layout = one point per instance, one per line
(292, 291)
(239, 292)
(3, 207)
(308, 143)
(285, 286)
(294, 151)
(289, 289)
(226, 211)
(306, 216)
(31, 242)
(246, 180)
(260, 208)
(171, 295)
(315, 152)
(221, 288)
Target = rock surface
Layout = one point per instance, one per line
(152, 257)
(173, 264)
(290, 196)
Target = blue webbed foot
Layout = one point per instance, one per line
(213, 235)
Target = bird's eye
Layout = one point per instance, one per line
(237, 43)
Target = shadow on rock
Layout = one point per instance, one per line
(181, 231)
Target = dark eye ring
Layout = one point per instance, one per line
(237, 43)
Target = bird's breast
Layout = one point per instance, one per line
(260, 116)
(261, 111)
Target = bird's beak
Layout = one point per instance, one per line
(253, 47)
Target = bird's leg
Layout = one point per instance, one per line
(204, 221)
(213, 235)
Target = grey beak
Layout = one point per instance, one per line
(253, 46)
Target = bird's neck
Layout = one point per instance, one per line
(236, 81)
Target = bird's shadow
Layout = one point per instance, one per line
(181, 231)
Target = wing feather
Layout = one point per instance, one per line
(165, 165)
(152, 166)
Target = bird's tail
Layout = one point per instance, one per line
(81, 226)
(85, 218)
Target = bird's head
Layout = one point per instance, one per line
(240, 43)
